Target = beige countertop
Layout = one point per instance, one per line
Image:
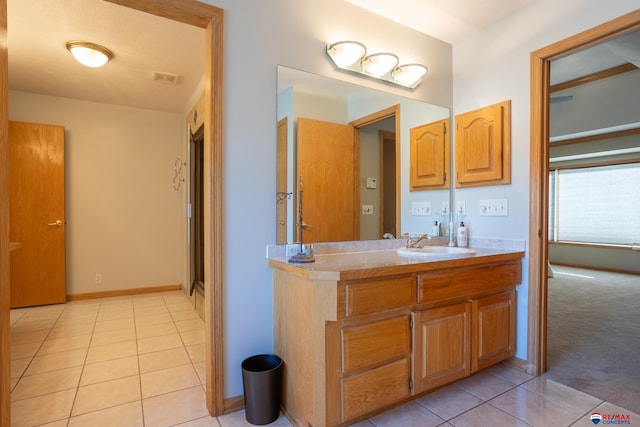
(372, 263)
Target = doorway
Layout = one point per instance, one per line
(196, 220)
(209, 18)
(539, 180)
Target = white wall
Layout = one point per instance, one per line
(124, 220)
(492, 66)
(259, 35)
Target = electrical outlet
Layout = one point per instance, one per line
(421, 208)
(98, 279)
(461, 207)
(367, 209)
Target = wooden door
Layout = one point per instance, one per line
(441, 346)
(36, 209)
(429, 156)
(328, 162)
(281, 182)
(494, 330)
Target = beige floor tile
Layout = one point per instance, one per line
(192, 337)
(174, 408)
(195, 324)
(16, 314)
(18, 367)
(68, 330)
(111, 337)
(64, 344)
(164, 359)
(164, 342)
(184, 315)
(48, 382)
(153, 319)
(129, 415)
(487, 415)
(24, 351)
(534, 409)
(200, 368)
(114, 325)
(408, 415)
(42, 409)
(156, 330)
(574, 400)
(179, 306)
(118, 350)
(76, 319)
(484, 386)
(43, 313)
(61, 423)
(12, 383)
(449, 402)
(107, 315)
(196, 352)
(25, 325)
(55, 361)
(238, 419)
(150, 310)
(109, 370)
(168, 380)
(204, 422)
(29, 336)
(104, 395)
(509, 374)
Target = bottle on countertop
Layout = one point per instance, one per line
(463, 235)
(435, 230)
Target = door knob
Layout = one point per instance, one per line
(306, 226)
(58, 223)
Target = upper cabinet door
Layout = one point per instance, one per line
(483, 146)
(429, 154)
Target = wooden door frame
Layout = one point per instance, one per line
(539, 175)
(393, 111)
(203, 16)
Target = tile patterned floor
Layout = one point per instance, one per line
(139, 361)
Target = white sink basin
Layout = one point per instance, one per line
(436, 252)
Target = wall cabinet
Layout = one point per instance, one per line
(429, 156)
(356, 346)
(483, 146)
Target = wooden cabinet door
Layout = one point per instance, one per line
(483, 146)
(429, 156)
(441, 351)
(494, 329)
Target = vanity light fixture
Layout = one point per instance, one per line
(89, 54)
(352, 56)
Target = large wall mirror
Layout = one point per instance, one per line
(347, 147)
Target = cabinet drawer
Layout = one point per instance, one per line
(379, 295)
(375, 389)
(375, 343)
(467, 282)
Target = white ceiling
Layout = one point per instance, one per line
(142, 45)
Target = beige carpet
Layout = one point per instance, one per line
(594, 334)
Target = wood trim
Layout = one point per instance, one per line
(607, 135)
(210, 18)
(591, 245)
(392, 111)
(5, 290)
(539, 159)
(589, 78)
(233, 404)
(123, 292)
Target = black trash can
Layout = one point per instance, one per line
(262, 382)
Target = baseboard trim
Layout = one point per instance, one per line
(123, 292)
(233, 404)
(520, 364)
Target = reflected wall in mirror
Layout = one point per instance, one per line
(350, 145)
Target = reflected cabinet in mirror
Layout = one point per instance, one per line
(347, 147)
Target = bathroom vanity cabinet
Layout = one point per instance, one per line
(359, 338)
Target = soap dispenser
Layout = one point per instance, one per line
(435, 230)
(463, 235)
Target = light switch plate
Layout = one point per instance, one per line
(461, 207)
(495, 207)
(367, 209)
(421, 208)
(372, 183)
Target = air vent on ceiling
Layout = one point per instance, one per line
(168, 78)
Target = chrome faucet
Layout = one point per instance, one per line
(414, 242)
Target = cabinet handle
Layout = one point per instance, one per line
(58, 223)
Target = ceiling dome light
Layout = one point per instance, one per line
(409, 74)
(379, 64)
(344, 54)
(89, 54)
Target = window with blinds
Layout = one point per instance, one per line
(598, 204)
